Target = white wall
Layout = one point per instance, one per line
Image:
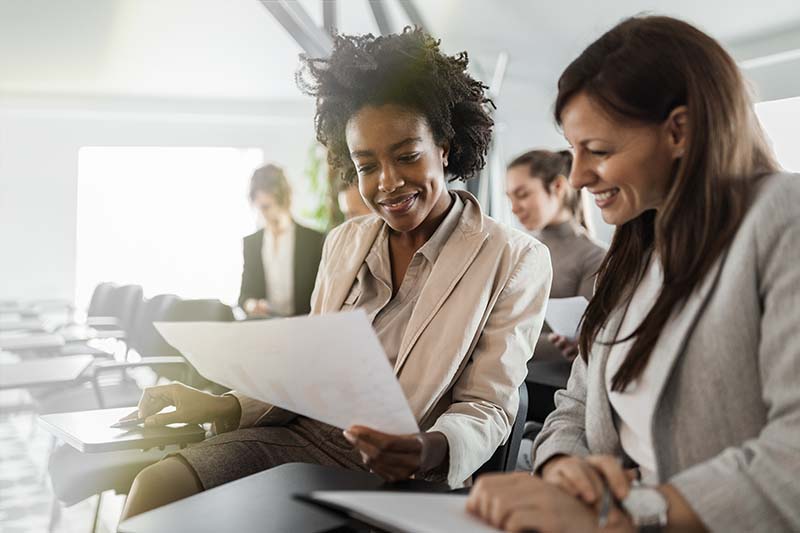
(39, 143)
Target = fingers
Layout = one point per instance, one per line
(163, 419)
(393, 457)
(130, 416)
(385, 441)
(497, 498)
(154, 399)
(567, 347)
(611, 469)
(576, 477)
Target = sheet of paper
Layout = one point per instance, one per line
(331, 368)
(564, 315)
(409, 511)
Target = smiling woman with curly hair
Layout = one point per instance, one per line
(456, 299)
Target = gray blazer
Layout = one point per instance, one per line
(727, 422)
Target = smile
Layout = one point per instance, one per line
(399, 204)
(603, 199)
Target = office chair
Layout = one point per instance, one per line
(76, 476)
(504, 458)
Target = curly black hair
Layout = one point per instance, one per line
(406, 69)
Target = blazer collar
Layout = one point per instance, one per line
(672, 344)
(454, 259)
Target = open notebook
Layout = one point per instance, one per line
(403, 512)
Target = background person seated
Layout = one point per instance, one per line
(280, 260)
(547, 205)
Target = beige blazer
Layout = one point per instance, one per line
(726, 427)
(472, 331)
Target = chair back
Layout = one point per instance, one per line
(145, 339)
(101, 302)
(199, 311)
(504, 458)
(125, 302)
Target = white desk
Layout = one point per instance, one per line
(90, 431)
(47, 371)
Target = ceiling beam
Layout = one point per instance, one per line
(381, 16)
(294, 19)
(329, 16)
(412, 13)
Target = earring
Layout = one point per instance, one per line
(680, 153)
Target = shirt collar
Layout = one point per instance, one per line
(433, 247)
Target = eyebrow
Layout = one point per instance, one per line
(392, 148)
(514, 191)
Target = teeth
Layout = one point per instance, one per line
(606, 195)
(398, 201)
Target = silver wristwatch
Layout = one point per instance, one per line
(647, 508)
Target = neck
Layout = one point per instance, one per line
(562, 216)
(279, 224)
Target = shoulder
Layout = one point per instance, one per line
(519, 245)
(305, 232)
(592, 250)
(776, 200)
(771, 220)
(352, 229)
(254, 237)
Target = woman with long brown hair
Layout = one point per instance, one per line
(684, 401)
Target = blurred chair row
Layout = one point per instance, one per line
(112, 377)
(122, 314)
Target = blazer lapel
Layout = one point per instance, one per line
(455, 258)
(600, 427)
(346, 266)
(675, 336)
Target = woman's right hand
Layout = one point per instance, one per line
(584, 478)
(568, 347)
(192, 406)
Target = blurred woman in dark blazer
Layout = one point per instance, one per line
(280, 260)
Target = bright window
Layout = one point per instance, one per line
(168, 219)
(781, 121)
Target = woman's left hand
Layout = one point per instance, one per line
(521, 502)
(397, 457)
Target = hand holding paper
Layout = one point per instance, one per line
(331, 368)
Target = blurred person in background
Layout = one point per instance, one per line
(281, 259)
(548, 206)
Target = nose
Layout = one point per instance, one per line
(390, 179)
(582, 173)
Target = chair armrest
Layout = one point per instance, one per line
(103, 322)
(102, 367)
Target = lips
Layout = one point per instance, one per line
(604, 198)
(400, 203)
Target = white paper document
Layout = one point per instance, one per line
(331, 368)
(564, 315)
(408, 511)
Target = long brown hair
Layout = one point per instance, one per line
(548, 166)
(640, 71)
